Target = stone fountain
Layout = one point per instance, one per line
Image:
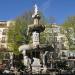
(35, 48)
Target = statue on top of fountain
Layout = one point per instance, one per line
(35, 10)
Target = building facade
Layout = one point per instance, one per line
(3, 34)
(56, 37)
(4, 25)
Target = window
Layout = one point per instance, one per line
(4, 31)
(3, 40)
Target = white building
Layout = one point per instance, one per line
(55, 35)
(3, 33)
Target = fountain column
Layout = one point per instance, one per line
(35, 33)
(35, 29)
(11, 59)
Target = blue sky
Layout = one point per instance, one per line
(60, 9)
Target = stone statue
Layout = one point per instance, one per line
(35, 10)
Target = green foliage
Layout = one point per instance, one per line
(42, 38)
(67, 26)
(1, 56)
(47, 36)
(70, 22)
(17, 34)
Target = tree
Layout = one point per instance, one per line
(70, 22)
(47, 35)
(69, 30)
(17, 33)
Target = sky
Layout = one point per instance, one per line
(60, 9)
